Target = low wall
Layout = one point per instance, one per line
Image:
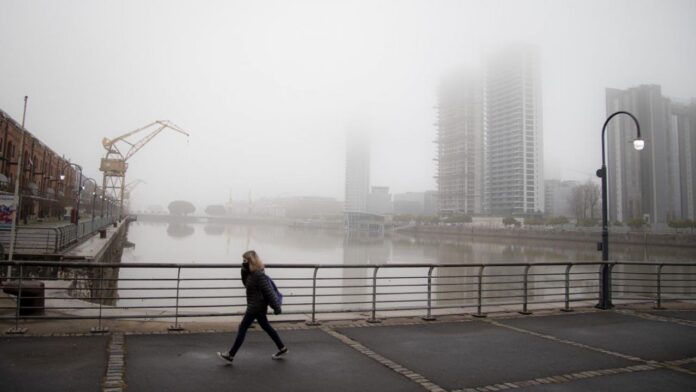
(630, 238)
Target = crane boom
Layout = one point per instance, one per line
(114, 164)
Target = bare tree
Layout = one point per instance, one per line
(585, 200)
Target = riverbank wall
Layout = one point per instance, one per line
(629, 238)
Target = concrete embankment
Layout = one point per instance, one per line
(106, 247)
(630, 238)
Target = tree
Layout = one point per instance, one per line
(585, 200)
(215, 210)
(181, 207)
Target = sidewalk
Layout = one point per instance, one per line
(632, 350)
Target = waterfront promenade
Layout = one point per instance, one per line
(632, 349)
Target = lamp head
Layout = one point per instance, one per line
(638, 144)
(62, 176)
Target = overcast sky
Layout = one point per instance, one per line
(267, 88)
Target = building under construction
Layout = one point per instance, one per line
(460, 138)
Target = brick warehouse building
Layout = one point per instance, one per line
(42, 193)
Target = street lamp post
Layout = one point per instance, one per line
(94, 196)
(79, 192)
(605, 284)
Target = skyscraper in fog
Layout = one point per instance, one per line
(460, 162)
(656, 184)
(490, 152)
(514, 146)
(357, 171)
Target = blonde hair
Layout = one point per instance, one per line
(255, 263)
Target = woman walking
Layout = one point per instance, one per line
(259, 296)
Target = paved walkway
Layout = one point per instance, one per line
(581, 351)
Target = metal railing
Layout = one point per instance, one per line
(94, 291)
(44, 240)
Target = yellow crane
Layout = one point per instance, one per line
(119, 150)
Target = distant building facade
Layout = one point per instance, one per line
(416, 203)
(357, 172)
(380, 201)
(42, 193)
(460, 141)
(490, 144)
(514, 144)
(657, 183)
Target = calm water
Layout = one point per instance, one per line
(208, 243)
(345, 289)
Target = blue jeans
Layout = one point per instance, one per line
(246, 323)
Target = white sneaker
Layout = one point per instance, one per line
(225, 357)
(281, 353)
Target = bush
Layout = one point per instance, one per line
(557, 221)
(458, 218)
(510, 221)
(587, 222)
(636, 223)
(533, 221)
(681, 224)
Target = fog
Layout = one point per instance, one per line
(267, 89)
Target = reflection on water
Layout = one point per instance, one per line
(214, 229)
(179, 230)
(352, 287)
(216, 243)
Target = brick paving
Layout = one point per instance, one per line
(595, 350)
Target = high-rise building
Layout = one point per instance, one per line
(657, 183)
(684, 124)
(514, 146)
(357, 171)
(460, 136)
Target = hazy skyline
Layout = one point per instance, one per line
(268, 89)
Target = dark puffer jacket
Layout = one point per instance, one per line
(259, 293)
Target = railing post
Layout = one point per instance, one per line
(526, 279)
(658, 305)
(480, 294)
(99, 328)
(176, 326)
(16, 330)
(314, 321)
(374, 319)
(567, 289)
(429, 316)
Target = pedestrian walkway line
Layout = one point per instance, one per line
(427, 384)
(676, 365)
(561, 379)
(569, 342)
(115, 368)
(655, 317)
(647, 364)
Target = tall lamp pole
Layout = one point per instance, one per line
(94, 196)
(605, 284)
(79, 193)
(15, 219)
